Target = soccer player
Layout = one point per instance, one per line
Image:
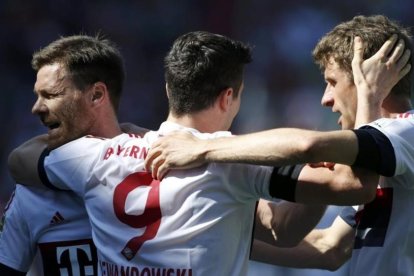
(67, 71)
(51, 223)
(54, 223)
(378, 234)
(194, 221)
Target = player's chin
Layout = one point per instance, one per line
(57, 138)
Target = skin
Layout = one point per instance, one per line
(331, 247)
(340, 94)
(69, 113)
(60, 106)
(220, 116)
(375, 77)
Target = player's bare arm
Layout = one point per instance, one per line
(271, 147)
(339, 185)
(23, 161)
(276, 147)
(284, 223)
(308, 146)
(322, 248)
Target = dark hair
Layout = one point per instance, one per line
(87, 60)
(374, 31)
(199, 66)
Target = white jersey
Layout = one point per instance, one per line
(384, 242)
(194, 222)
(52, 224)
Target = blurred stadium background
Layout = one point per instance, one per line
(282, 86)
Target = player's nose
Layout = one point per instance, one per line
(39, 107)
(327, 98)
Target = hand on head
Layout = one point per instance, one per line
(381, 72)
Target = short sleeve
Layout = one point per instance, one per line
(17, 250)
(348, 215)
(400, 132)
(69, 167)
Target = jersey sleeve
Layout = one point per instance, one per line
(400, 132)
(89, 161)
(246, 182)
(70, 166)
(17, 249)
(347, 214)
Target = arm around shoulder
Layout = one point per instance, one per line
(285, 224)
(322, 248)
(23, 161)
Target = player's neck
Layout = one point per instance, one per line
(395, 105)
(106, 125)
(204, 121)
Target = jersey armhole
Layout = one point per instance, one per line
(42, 171)
(348, 216)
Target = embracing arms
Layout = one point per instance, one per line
(24, 163)
(327, 248)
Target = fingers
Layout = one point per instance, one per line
(404, 63)
(401, 57)
(397, 52)
(358, 50)
(357, 59)
(328, 165)
(157, 165)
(386, 48)
(152, 154)
(162, 171)
(405, 70)
(155, 161)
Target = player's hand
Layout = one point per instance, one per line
(178, 150)
(328, 165)
(376, 76)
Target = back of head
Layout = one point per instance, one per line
(199, 66)
(374, 31)
(87, 60)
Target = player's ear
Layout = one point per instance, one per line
(167, 90)
(225, 98)
(99, 92)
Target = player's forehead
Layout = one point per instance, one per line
(50, 77)
(332, 70)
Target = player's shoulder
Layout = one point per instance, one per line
(401, 121)
(213, 135)
(89, 143)
(82, 142)
(406, 115)
(28, 197)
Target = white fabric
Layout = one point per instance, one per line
(202, 224)
(54, 225)
(385, 232)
